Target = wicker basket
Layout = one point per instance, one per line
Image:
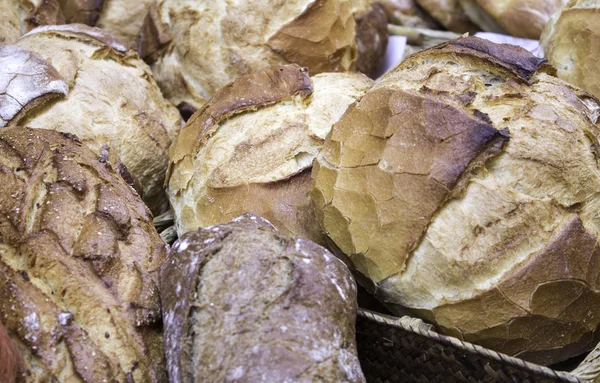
(405, 349)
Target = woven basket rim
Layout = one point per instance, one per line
(470, 347)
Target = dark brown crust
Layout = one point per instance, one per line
(276, 334)
(8, 357)
(83, 32)
(48, 13)
(269, 86)
(515, 59)
(26, 80)
(154, 36)
(81, 11)
(371, 39)
(88, 239)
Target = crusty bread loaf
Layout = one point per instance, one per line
(571, 42)
(78, 264)
(520, 18)
(89, 84)
(8, 357)
(124, 18)
(450, 14)
(251, 148)
(407, 13)
(246, 303)
(215, 42)
(465, 184)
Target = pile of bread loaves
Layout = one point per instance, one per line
(462, 187)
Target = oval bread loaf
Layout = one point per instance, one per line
(78, 264)
(250, 149)
(215, 42)
(466, 185)
(246, 303)
(571, 42)
(88, 84)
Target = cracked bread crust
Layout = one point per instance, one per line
(251, 149)
(466, 185)
(244, 302)
(78, 264)
(134, 121)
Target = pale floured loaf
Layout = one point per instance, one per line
(250, 149)
(89, 84)
(215, 42)
(465, 184)
(520, 18)
(78, 264)
(244, 302)
(571, 42)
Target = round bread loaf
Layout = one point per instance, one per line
(571, 42)
(78, 264)
(8, 357)
(246, 303)
(450, 14)
(87, 83)
(465, 185)
(215, 42)
(121, 18)
(520, 18)
(250, 149)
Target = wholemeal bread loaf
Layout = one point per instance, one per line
(520, 18)
(450, 14)
(251, 148)
(465, 185)
(571, 42)
(121, 18)
(246, 303)
(89, 84)
(78, 264)
(8, 357)
(213, 43)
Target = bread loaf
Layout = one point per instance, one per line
(251, 148)
(213, 42)
(465, 185)
(450, 14)
(571, 42)
(8, 357)
(124, 18)
(520, 18)
(89, 84)
(407, 13)
(78, 264)
(246, 303)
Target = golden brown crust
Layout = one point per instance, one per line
(269, 86)
(450, 14)
(465, 184)
(371, 39)
(26, 80)
(78, 269)
(285, 307)
(571, 42)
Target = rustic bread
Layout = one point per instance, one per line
(450, 14)
(251, 148)
(520, 18)
(89, 84)
(78, 264)
(8, 357)
(571, 42)
(407, 13)
(213, 42)
(124, 18)
(465, 184)
(246, 303)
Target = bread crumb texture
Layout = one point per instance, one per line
(79, 259)
(465, 184)
(244, 302)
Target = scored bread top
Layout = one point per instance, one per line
(457, 175)
(251, 148)
(78, 262)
